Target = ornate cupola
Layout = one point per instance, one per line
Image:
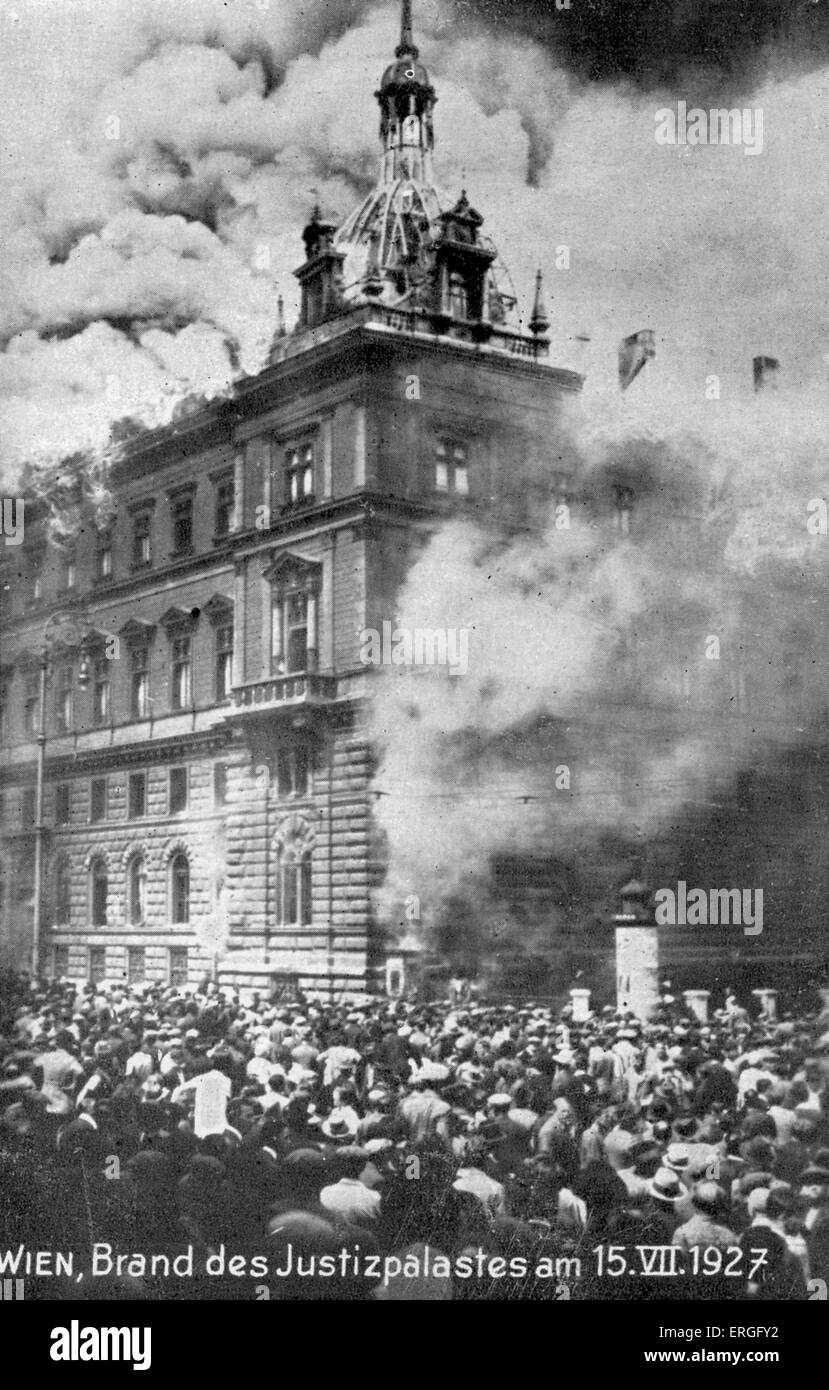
(321, 275)
(407, 99)
(462, 261)
(407, 246)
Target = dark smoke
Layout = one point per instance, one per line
(724, 46)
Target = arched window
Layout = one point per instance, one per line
(136, 890)
(179, 889)
(293, 889)
(98, 892)
(63, 893)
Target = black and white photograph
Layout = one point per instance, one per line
(414, 663)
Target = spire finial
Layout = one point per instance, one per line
(406, 44)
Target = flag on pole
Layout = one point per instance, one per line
(633, 354)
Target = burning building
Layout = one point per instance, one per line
(387, 647)
(209, 782)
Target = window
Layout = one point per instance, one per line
(225, 505)
(101, 690)
(451, 468)
(293, 768)
(179, 965)
(219, 784)
(68, 570)
(295, 608)
(63, 893)
(98, 799)
(31, 707)
(64, 683)
(294, 887)
(97, 964)
(142, 552)
(457, 296)
(98, 893)
(35, 577)
(136, 890)
(137, 795)
(299, 475)
(181, 672)
(27, 808)
(178, 790)
(103, 555)
(181, 508)
(179, 889)
(136, 965)
(224, 660)
(60, 962)
(62, 804)
(622, 510)
(139, 681)
(294, 612)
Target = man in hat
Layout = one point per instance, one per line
(212, 1091)
(707, 1226)
(338, 1061)
(348, 1198)
(60, 1071)
(622, 1135)
(475, 1178)
(424, 1111)
(340, 1127)
(643, 1161)
(663, 1204)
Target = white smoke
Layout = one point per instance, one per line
(158, 168)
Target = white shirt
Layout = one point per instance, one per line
(352, 1200)
(213, 1090)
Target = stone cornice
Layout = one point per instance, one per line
(115, 756)
(352, 337)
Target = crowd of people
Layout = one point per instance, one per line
(178, 1143)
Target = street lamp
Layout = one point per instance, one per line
(74, 629)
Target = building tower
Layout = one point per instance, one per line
(208, 803)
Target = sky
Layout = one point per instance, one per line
(159, 160)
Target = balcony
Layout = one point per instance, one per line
(496, 337)
(300, 688)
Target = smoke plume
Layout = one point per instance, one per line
(158, 168)
(616, 682)
(727, 48)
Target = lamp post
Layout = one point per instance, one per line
(74, 628)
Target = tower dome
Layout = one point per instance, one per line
(392, 244)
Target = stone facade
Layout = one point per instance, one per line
(345, 549)
(219, 607)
